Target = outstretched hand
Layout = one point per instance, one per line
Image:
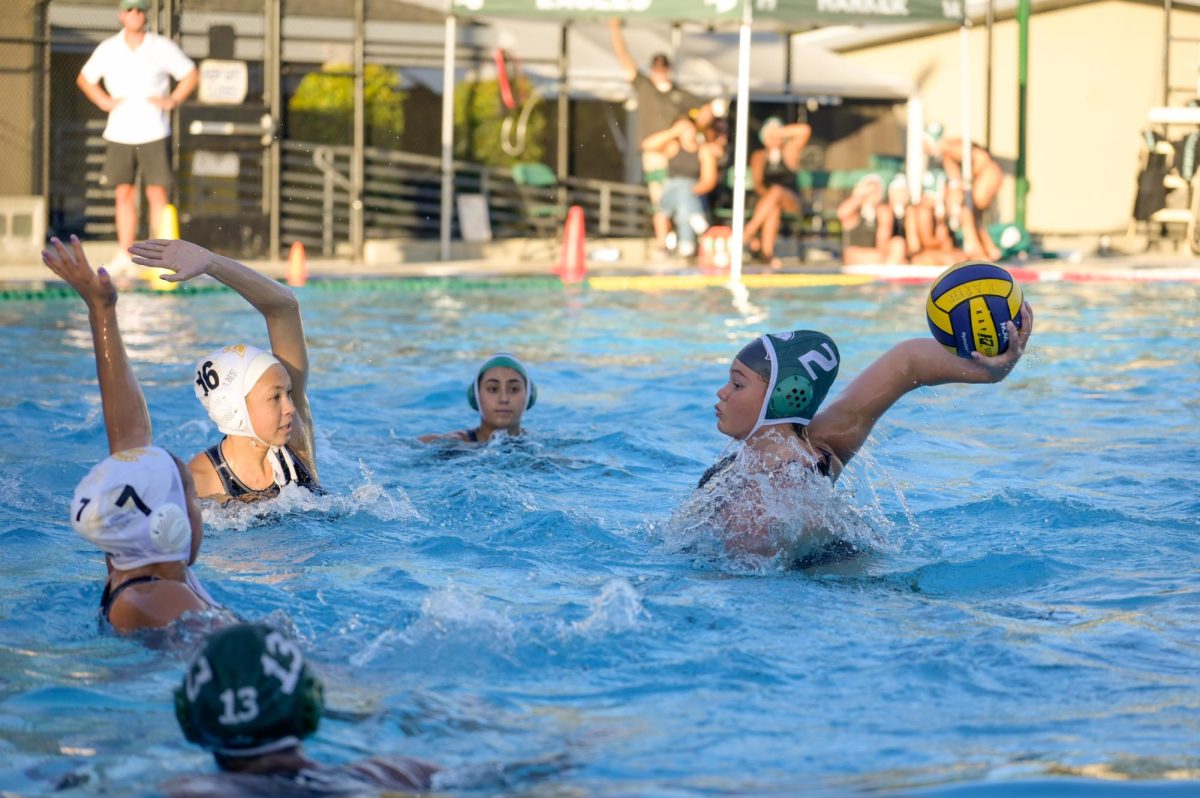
(71, 265)
(182, 257)
(1018, 338)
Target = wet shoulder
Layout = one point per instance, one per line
(357, 778)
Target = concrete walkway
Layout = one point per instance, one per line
(628, 258)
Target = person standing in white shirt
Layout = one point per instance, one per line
(136, 68)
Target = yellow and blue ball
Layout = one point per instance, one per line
(968, 306)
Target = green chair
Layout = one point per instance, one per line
(539, 207)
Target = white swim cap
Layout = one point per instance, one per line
(132, 506)
(223, 378)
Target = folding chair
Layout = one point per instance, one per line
(541, 211)
(1160, 178)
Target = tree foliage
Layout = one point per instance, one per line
(479, 118)
(322, 109)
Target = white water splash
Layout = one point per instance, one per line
(453, 610)
(92, 419)
(451, 615)
(367, 497)
(762, 514)
(618, 608)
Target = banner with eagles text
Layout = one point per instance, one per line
(780, 12)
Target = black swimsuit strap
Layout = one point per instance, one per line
(235, 488)
(824, 461)
(109, 596)
(716, 468)
(229, 481)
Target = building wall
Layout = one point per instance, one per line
(1095, 70)
(20, 72)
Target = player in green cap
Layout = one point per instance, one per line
(501, 392)
(251, 699)
(772, 402)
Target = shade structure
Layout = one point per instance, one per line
(705, 64)
(784, 14)
(852, 12)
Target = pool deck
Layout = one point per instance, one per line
(624, 264)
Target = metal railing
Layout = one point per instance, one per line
(402, 197)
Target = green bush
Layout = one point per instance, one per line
(322, 109)
(478, 120)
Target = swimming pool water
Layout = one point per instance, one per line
(1028, 620)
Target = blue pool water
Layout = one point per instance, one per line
(1026, 623)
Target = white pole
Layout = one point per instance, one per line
(447, 206)
(914, 150)
(741, 134)
(968, 176)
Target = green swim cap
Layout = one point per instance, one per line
(800, 367)
(501, 360)
(248, 693)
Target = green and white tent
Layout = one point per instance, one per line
(843, 12)
(742, 14)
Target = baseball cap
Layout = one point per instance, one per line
(141, 5)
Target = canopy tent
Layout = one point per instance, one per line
(789, 12)
(704, 64)
(774, 13)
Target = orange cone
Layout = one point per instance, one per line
(572, 264)
(297, 268)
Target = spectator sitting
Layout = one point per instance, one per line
(773, 170)
(691, 174)
(859, 215)
(986, 176)
(939, 223)
(897, 231)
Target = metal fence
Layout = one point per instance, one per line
(245, 176)
(402, 197)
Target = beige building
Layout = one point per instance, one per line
(1095, 70)
(22, 94)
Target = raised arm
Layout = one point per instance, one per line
(912, 232)
(126, 419)
(624, 59)
(796, 137)
(845, 424)
(658, 142)
(849, 208)
(276, 302)
(708, 171)
(952, 155)
(884, 217)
